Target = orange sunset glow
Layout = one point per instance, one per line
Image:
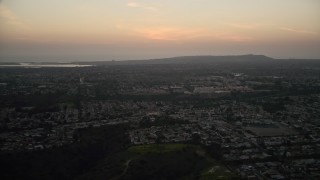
(140, 29)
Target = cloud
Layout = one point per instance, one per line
(298, 31)
(169, 33)
(189, 34)
(139, 5)
(234, 37)
(9, 17)
(242, 26)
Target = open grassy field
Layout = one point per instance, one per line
(160, 161)
(159, 148)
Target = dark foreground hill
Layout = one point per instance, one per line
(105, 153)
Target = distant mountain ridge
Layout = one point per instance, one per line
(230, 62)
(194, 60)
(210, 59)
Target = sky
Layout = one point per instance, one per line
(96, 30)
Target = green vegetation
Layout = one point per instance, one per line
(216, 172)
(104, 153)
(159, 148)
(160, 161)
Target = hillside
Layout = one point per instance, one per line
(226, 62)
(191, 60)
(160, 161)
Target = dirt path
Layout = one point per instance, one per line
(124, 170)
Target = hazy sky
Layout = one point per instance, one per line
(133, 29)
